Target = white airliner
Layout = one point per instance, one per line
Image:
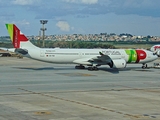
(156, 49)
(115, 58)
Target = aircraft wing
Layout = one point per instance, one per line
(21, 51)
(16, 50)
(98, 60)
(8, 49)
(2, 48)
(102, 60)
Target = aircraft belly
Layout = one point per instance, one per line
(60, 59)
(147, 60)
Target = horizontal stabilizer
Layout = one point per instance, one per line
(21, 51)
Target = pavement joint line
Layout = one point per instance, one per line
(85, 104)
(31, 92)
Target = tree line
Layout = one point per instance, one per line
(64, 44)
(73, 44)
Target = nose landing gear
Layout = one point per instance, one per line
(144, 66)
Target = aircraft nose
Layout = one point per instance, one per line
(151, 56)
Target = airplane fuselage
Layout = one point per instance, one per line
(58, 55)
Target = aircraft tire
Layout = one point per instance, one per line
(92, 68)
(144, 66)
(80, 67)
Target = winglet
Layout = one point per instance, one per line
(101, 53)
(16, 35)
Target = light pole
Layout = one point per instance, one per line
(43, 29)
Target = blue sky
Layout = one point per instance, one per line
(137, 17)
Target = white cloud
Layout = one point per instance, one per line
(23, 2)
(63, 25)
(70, 1)
(83, 1)
(89, 1)
(21, 22)
(24, 22)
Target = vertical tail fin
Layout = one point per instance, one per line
(19, 40)
(16, 35)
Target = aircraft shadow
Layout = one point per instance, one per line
(113, 71)
(44, 68)
(110, 70)
(35, 68)
(116, 71)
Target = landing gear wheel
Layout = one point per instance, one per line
(79, 67)
(144, 66)
(90, 68)
(93, 68)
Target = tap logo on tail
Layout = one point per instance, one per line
(16, 35)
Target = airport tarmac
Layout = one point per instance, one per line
(33, 90)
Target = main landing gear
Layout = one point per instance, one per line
(91, 68)
(144, 66)
(79, 67)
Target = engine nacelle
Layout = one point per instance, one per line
(118, 63)
(158, 53)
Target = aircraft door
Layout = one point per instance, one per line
(81, 54)
(122, 55)
(42, 53)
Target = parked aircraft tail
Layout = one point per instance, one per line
(19, 40)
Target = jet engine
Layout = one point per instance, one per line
(118, 63)
(158, 53)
